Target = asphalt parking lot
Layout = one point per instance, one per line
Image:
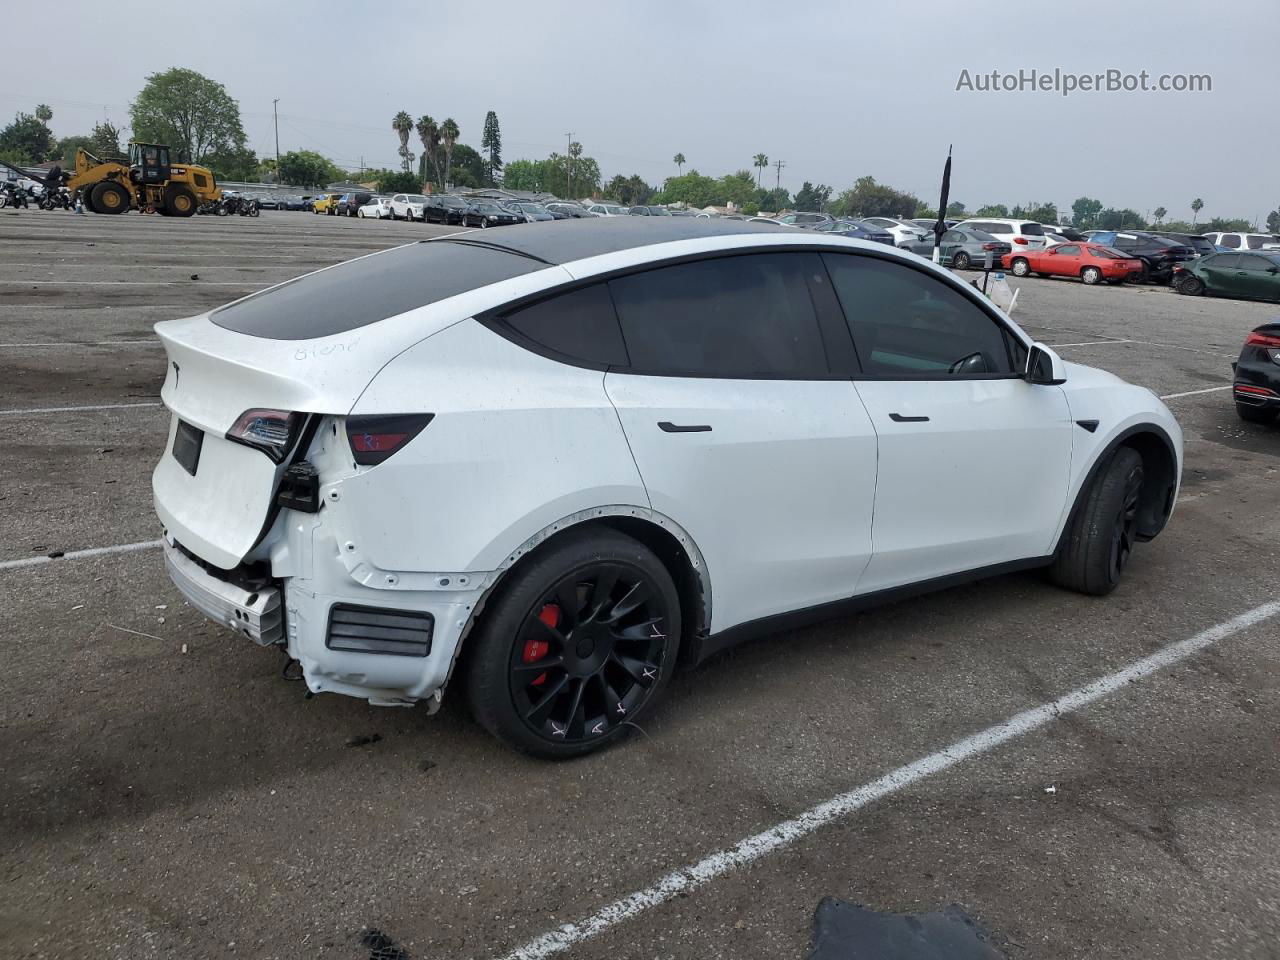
(165, 793)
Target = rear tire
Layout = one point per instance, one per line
(1091, 275)
(960, 261)
(557, 608)
(179, 201)
(1101, 533)
(1020, 267)
(109, 197)
(1256, 414)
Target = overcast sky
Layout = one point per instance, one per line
(837, 90)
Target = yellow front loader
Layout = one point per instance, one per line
(147, 182)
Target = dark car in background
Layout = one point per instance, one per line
(963, 248)
(349, 203)
(569, 209)
(1244, 276)
(1256, 384)
(294, 203)
(649, 211)
(533, 212)
(485, 213)
(268, 201)
(1202, 246)
(442, 208)
(1158, 255)
(855, 229)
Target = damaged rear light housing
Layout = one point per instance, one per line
(271, 431)
(374, 439)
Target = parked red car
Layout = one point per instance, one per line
(1090, 262)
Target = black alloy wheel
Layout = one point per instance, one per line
(578, 644)
(1190, 285)
(960, 261)
(1124, 533)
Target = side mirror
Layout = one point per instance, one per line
(1044, 366)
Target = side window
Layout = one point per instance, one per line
(909, 325)
(579, 326)
(1126, 243)
(954, 236)
(745, 316)
(1068, 250)
(1231, 240)
(1248, 262)
(1224, 261)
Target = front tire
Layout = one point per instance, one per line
(578, 645)
(1020, 267)
(110, 197)
(1101, 534)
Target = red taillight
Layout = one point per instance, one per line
(1255, 391)
(1257, 339)
(989, 246)
(271, 431)
(373, 439)
(1021, 240)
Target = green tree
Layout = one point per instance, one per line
(871, 199)
(810, 197)
(398, 181)
(738, 188)
(1196, 206)
(193, 115)
(992, 210)
(629, 191)
(678, 160)
(524, 175)
(429, 134)
(26, 139)
(1126, 219)
(1160, 213)
(105, 140)
(1227, 224)
(1040, 212)
(402, 124)
(65, 149)
(955, 210)
(1273, 221)
(306, 168)
(556, 175)
(235, 163)
(692, 189)
(491, 144)
(773, 200)
(1084, 212)
(44, 114)
(761, 163)
(449, 134)
(469, 168)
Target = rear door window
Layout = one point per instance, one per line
(908, 325)
(1231, 240)
(579, 326)
(1031, 230)
(1224, 261)
(742, 317)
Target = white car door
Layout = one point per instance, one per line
(399, 206)
(742, 434)
(974, 461)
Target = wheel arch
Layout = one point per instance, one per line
(1159, 463)
(669, 541)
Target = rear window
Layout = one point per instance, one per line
(360, 292)
(1031, 230)
(1256, 241)
(1231, 240)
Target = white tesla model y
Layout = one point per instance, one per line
(553, 463)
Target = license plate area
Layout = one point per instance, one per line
(187, 441)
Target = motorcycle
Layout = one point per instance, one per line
(12, 195)
(55, 199)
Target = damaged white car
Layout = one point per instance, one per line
(554, 463)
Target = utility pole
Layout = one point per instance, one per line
(777, 183)
(276, 117)
(568, 159)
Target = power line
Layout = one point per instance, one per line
(777, 183)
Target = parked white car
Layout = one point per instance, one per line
(904, 231)
(607, 210)
(1244, 241)
(378, 208)
(1017, 233)
(407, 206)
(580, 454)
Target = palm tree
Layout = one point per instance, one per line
(429, 134)
(575, 151)
(678, 160)
(1160, 213)
(402, 124)
(449, 133)
(760, 162)
(1196, 206)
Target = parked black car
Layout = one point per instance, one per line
(349, 203)
(446, 209)
(269, 202)
(569, 209)
(1158, 255)
(482, 213)
(1257, 375)
(1202, 246)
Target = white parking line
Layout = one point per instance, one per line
(1088, 343)
(1194, 393)
(101, 406)
(746, 852)
(80, 554)
(88, 343)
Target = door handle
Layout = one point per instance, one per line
(899, 418)
(666, 426)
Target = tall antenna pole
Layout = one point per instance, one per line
(569, 163)
(276, 117)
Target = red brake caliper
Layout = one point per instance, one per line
(535, 650)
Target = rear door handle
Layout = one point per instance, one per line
(899, 418)
(666, 426)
